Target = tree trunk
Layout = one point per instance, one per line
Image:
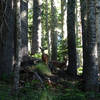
(47, 29)
(36, 35)
(72, 69)
(98, 31)
(64, 18)
(84, 32)
(7, 26)
(24, 27)
(18, 46)
(91, 68)
(53, 31)
(78, 31)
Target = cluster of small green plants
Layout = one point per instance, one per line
(35, 90)
(29, 93)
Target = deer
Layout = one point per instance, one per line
(44, 56)
(57, 65)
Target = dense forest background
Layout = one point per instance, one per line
(49, 49)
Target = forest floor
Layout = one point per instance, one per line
(38, 83)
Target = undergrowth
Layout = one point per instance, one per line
(34, 90)
(48, 93)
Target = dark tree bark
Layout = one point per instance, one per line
(53, 31)
(98, 31)
(36, 35)
(7, 26)
(18, 46)
(47, 29)
(91, 68)
(24, 27)
(72, 69)
(84, 32)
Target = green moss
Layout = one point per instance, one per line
(43, 68)
(80, 70)
(37, 55)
